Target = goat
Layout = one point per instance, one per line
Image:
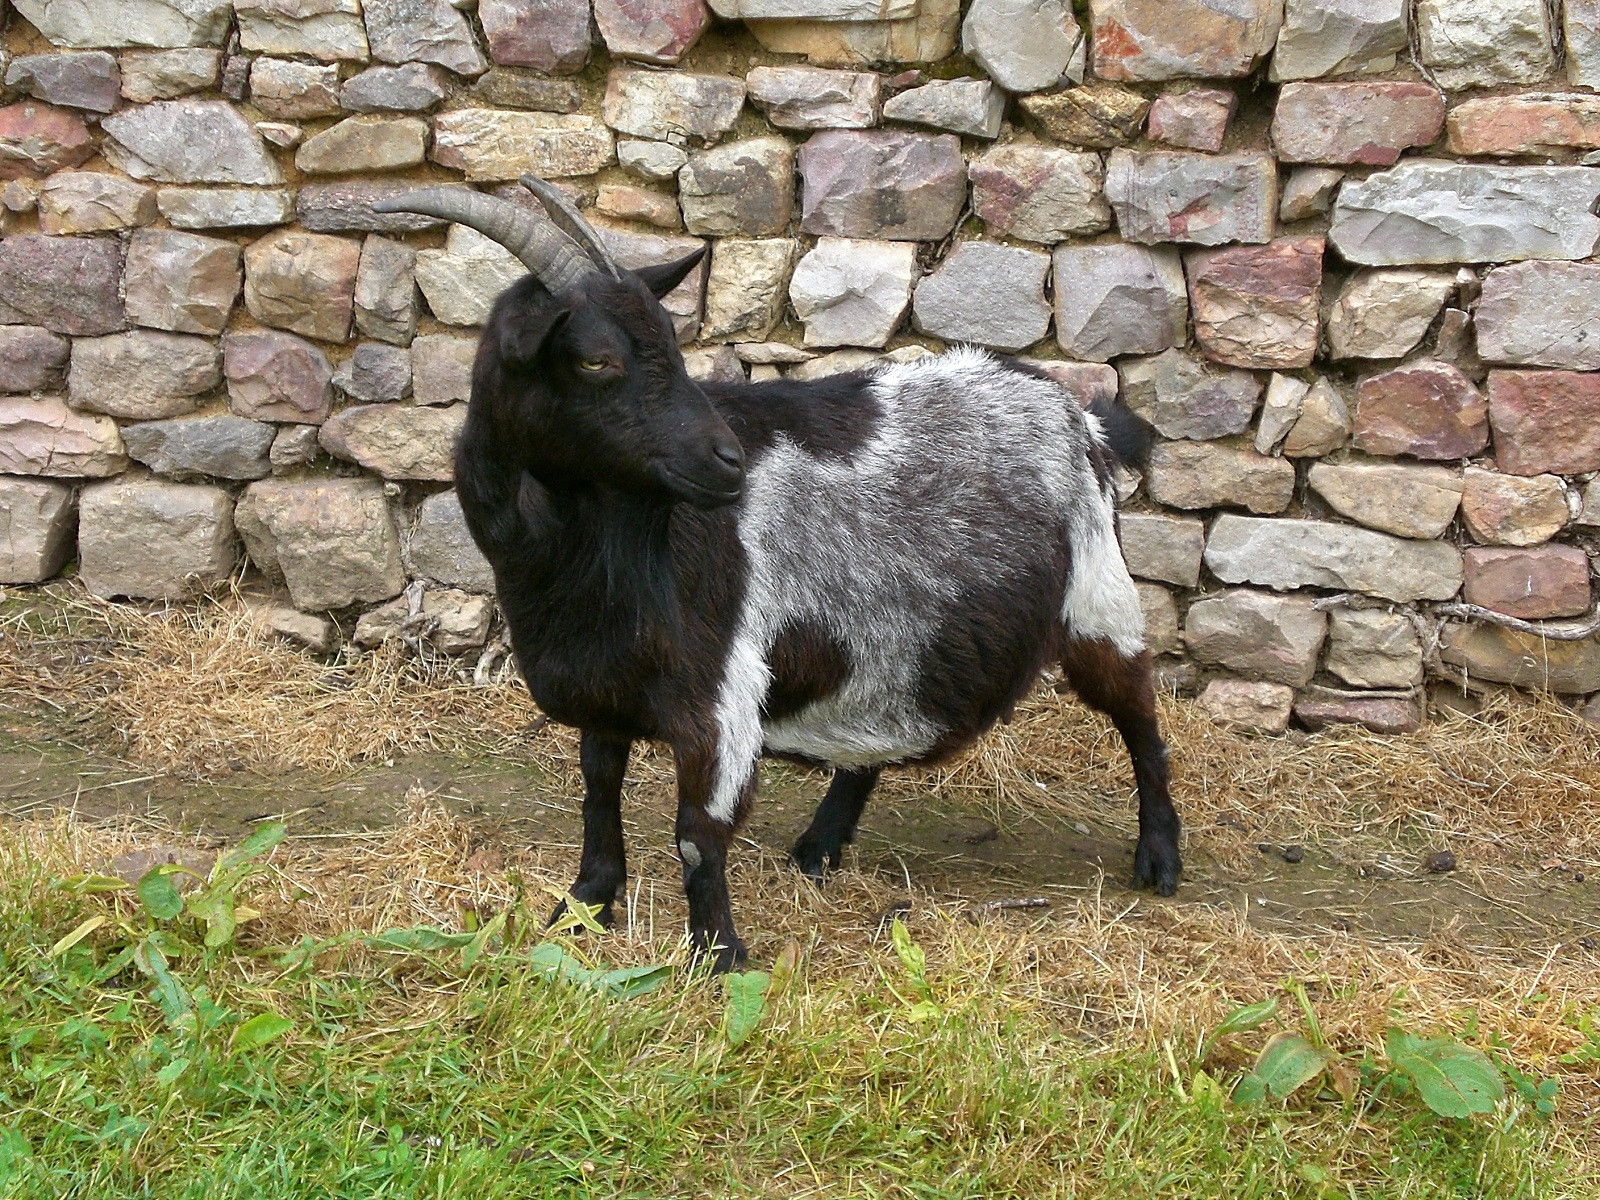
(852, 573)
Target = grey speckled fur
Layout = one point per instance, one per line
(975, 471)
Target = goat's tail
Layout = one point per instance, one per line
(1128, 436)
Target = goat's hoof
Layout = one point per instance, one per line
(812, 861)
(1156, 864)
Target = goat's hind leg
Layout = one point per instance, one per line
(603, 869)
(1123, 688)
(834, 825)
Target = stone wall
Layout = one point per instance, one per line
(1341, 253)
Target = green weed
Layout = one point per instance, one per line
(1449, 1077)
(148, 1048)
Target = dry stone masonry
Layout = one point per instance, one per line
(1344, 255)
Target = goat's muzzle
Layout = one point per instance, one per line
(710, 478)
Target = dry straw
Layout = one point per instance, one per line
(200, 688)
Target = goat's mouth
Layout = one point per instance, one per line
(701, 495)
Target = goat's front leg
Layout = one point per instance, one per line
(603, 869)
(708, 814)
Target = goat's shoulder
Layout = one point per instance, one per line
(826, 418)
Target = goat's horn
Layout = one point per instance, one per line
(553, 257)
(571, 222)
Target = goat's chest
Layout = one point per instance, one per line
(585, 671)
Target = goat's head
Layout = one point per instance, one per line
(578, 368)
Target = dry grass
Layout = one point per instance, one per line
(185, 689)
(197, 688)
(1118, 973)
(1518, 779)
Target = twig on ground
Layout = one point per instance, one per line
(977, 912)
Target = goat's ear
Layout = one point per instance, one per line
(663, 278)
(521, 336)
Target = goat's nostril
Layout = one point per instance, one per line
(731, 453)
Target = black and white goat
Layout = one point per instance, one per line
(853, 572)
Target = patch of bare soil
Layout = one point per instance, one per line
(919, 839)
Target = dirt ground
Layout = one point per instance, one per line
(925, 840)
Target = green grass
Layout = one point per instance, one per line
(407, 1075)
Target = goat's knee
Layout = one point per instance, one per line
(703, 838)
(712, 936)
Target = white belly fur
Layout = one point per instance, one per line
(839, 733)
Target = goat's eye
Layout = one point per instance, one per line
(593, 364)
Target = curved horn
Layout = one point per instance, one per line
(566, 216)
(543, 248)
